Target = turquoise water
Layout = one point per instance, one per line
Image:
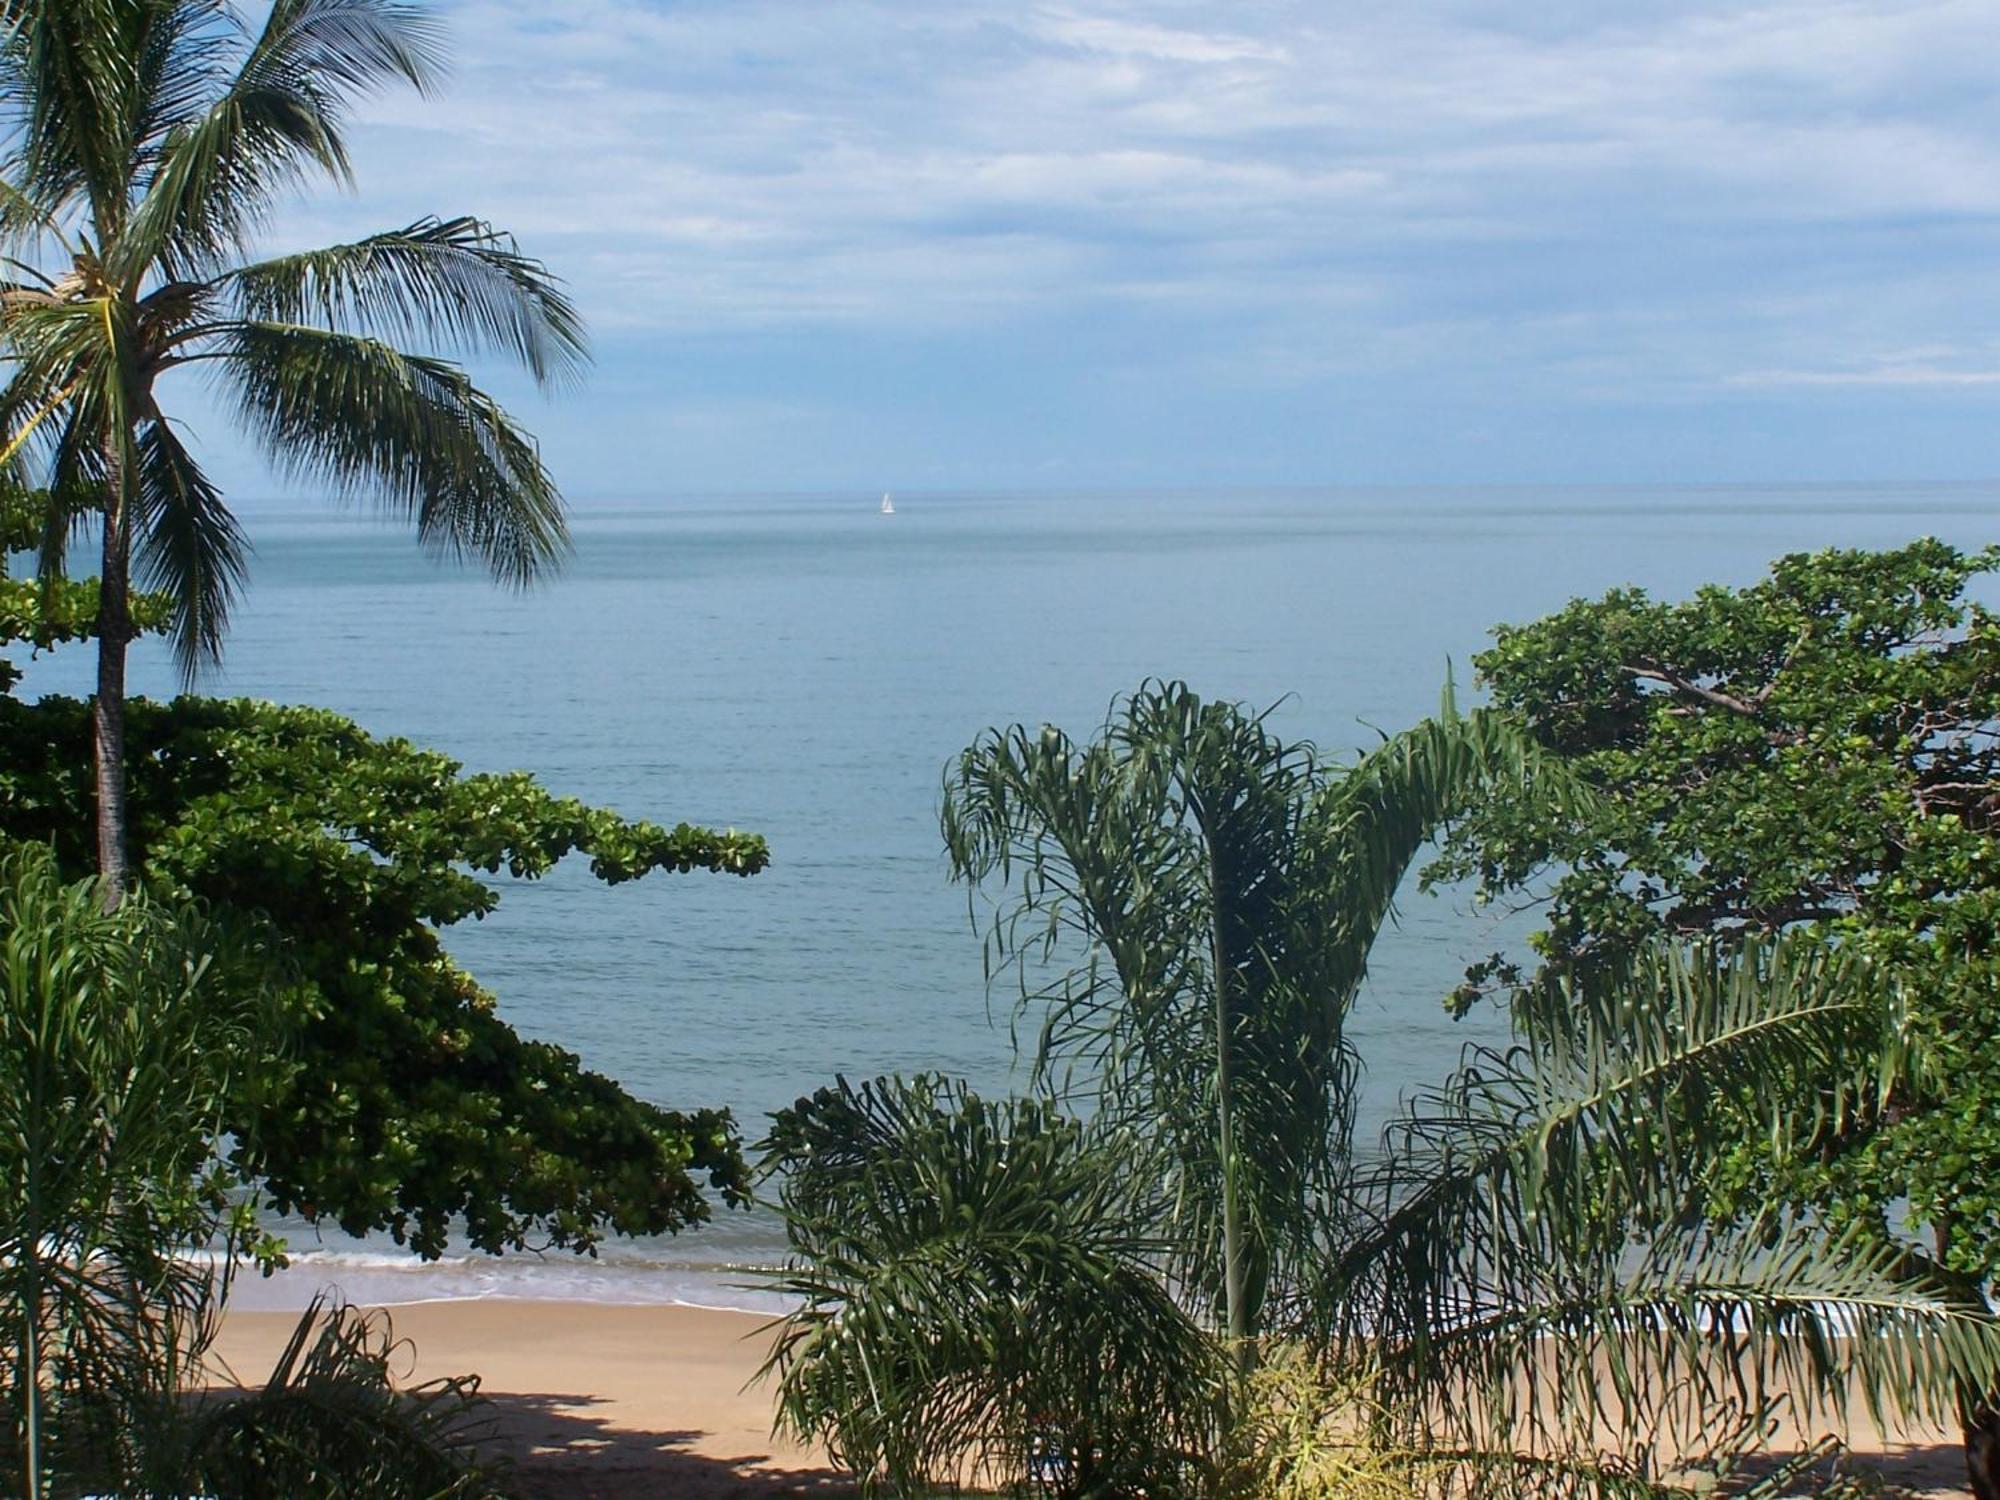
(804, 667)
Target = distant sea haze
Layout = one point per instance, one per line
(804, 666)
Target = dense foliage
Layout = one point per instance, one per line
(121, 1037)
(406, 1100)
(1822, 747)
(979, 1298)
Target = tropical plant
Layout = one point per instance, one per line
(150, 142)
(1226, 887)
(330, 1422)
(406, 1101)
(120, 1033)
(978, 1298)
(1816, 748)
(1537, 1278)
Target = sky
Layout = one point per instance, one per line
(964, 244)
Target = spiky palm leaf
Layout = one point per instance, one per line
(977, 1297)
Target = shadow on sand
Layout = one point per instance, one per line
(561, 1451)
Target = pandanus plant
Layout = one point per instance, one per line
(149, 143)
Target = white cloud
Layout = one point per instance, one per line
(1382, 179)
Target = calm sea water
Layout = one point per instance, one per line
(804, 667)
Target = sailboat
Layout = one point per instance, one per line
(888, 505)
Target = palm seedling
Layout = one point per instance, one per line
(978, 1298)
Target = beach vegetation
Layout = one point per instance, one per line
(122, 1036)
(978, 1298)
(1524, 1288)
(149, 143)
(330, 1421)
(1817, 750)
(1216, 891)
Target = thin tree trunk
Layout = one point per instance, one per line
(1235, 1295)
(1978, 1413)
(114, 635)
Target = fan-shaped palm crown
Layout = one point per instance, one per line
(150, 141)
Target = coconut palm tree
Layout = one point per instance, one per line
(149, 142)
(1226, 888)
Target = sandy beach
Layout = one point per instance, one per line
(597, 1402)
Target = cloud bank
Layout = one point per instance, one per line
(1312, 223)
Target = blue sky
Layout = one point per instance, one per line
(841, 244)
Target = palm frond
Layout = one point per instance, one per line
(976, 1296)
(413, 433)
(218, 169)
(456, 279)
(188, 544)
(1539, 1271)
(71, 71)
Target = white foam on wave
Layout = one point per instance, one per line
(374, 1278)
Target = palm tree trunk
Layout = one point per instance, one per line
(114, 635)
(1235, 1298)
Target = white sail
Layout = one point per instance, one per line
(888, 505)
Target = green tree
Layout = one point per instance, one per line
(978, 1298)
(1226, 888)
(1531, 1269)
(121, 1034)
(1818, 748)
(406, 1100)
(149, 141)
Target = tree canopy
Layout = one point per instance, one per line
(404, 1101)
(1821, 747)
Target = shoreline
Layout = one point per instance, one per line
(589, 1398)
(606, 1401)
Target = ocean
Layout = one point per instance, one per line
(804, 667)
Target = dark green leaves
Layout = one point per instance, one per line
(977, 1286)
(408, 1100)
(1821, 747)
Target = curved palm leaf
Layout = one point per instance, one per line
(413, 432)
(459, 279)
(976, 1297)
(218, 167)
(1538, 1276)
